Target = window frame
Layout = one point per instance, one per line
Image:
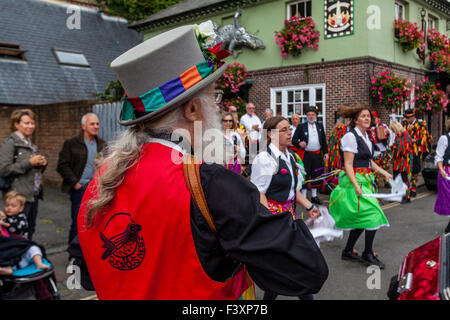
(312, 88)
(12, 51)
(289, 4)
(403, 11)
(435, 21)
(55, 50)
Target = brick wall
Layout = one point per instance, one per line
(55, 123)
(347, 82)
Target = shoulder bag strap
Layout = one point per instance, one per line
(191, 172)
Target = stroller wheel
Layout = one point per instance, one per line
(53, 289)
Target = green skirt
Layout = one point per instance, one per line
(352, 212)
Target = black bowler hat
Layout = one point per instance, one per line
(409, 113)
(312, 109)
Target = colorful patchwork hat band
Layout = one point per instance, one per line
(166, 71)
(163, 94)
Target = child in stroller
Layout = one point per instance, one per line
(24, 271)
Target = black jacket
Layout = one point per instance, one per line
(302, 134)
(72, 160)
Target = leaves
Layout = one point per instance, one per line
(134, 10)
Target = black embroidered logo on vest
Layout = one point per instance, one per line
(124, 250)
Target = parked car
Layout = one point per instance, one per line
(430, 170)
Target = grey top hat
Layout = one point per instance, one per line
(160, 74)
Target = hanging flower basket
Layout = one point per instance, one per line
(439, 46)
(389, 90)
(297, 34)
(233, 78)
(428, 98)
(436, 41)
(408, 34)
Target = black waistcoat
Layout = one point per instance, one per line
(364, 156)
(280, 185)
(447, 152)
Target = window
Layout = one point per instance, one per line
(400, 12)
(433, 22)
(70, 58)
(299, 8)
(285, 101)
(11, 51)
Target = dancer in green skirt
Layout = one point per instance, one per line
(350, 210)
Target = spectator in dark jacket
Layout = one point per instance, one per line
(76, 164)
(21, 161)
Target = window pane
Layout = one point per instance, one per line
(298, 96)
(319, 94)
(290, 96)
(293, 9)
(308, 9)
(278, 111)
(301, 9)
(71, 58)
(278, 97)
(298, 109)
(306, 95)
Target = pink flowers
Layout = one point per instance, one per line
(408, 34)
(389, 90)
(428, 98)
(233, 78)
(439, 50)
(297, 34)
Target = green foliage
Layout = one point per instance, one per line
(113, 92)
(134, 10)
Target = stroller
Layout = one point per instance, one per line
(30, 283)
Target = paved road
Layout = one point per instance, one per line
(410, 226)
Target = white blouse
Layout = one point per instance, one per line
(440, 150)
(349, 144)
(264, 166)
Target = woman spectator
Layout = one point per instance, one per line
(276, 175)
(20, 161)
(349, 209)
(402, 155)
(442, 160)
(229, 126)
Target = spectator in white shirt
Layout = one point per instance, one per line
(252, 123)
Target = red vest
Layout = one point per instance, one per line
(141, 246)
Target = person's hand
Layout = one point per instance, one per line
(314, 213)
(388, 177)
(443, 174)
(4, 224)
(38, 160)
(358, 190)
(325, 157)
(2, 215)
(255, 127)
(303, 144)
(77, 186)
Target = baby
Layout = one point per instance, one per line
(13, 213)
(11, 221)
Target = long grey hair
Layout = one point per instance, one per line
(123, 153)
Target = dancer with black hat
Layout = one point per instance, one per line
(311, 137)
(421, 139)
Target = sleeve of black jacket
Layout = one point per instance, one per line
(280, 254)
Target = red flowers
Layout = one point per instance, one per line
(389, 90)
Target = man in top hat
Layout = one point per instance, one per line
(142, 233)
(421, 139)
(379, 134)
(310, 137)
